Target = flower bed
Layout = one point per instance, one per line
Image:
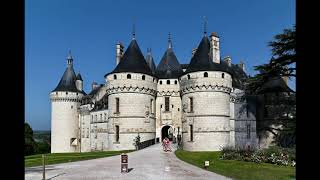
(273, 155)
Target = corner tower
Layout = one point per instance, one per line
(65, 100)
(131, 89)
(205, 89)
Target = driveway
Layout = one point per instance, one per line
(146, 164)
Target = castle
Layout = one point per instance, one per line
(201, 101)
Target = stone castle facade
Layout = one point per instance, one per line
(201, 101)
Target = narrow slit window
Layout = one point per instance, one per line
(143, 77)
(167, 102)
(117, 133)
(114, 76)
(117, 105)
(191, 104)
(222, 75)
(191, 132)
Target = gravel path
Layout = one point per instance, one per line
(150, 163)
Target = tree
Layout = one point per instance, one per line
(279, 105)
(30, 146)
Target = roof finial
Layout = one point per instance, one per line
(133, 29)
(149, 50)
(205, 25)
(69, 54)
(169, 41)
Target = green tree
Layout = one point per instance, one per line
(30, 146)
(281, 106)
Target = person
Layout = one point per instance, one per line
(168, 148)
(164, 144)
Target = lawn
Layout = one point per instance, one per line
(236, 169)
(56, 158)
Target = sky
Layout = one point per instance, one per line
(91, 29)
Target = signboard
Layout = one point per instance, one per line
(124, 163)
(206, 163)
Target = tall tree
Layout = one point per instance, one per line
(30, 146)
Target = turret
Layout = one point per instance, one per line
(119, 52)
(227, 59)
(241, 65)
(79, 82)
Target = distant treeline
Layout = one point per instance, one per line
(36, 142)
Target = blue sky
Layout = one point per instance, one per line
(92, 28)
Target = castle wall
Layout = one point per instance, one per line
(173, 116)
(99, 136)
(64, 121)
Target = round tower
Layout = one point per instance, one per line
(131, 89)
(205, 89)
(65, 101)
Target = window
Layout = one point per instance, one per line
(191, 132)
(160, 82)
(153, 79)
(205, 74)
(143, 77)
(71, 107)
(117, 105)
(95, 118)
(105, 116)
(56, 93)
(191, 104)
(178, 109)
(91, 118)
(248, 131)
(215, 43)
(151, 105)
(166, 100)
(222, 75)
(100, 117)
(77, 94)
(117, 133)
(188, 76)
(168, 81)
(128, 76)
(161, 106)
(175, 82)
(114, 76)
(66, 93)
(172, 105)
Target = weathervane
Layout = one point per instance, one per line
(205, 25)
(133, 29)
(169, 41)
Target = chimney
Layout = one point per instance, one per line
(241, 65)
(194, 51)
(227, 59)
(94, 85)
(215, 47)
(119, 52)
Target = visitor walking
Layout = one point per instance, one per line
(168, 148)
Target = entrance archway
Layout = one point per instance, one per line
(167, 131)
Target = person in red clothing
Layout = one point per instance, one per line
(168, 148)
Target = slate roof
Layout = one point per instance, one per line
(132, 61)
(79, 77)
(276, 84)
(169, 66)
(67, 82)
(102, 104)
(150, 62)
(202, 61)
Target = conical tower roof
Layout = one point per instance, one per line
(133, 61)
(150, 62)
(169, 66)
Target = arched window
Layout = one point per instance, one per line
(205, 74)
(175, 82)
(128, 76)
(114, 76)
(168, 81)
(160, 82)
(222, 75)
(66, 93)
(188, 76)
(143, 77)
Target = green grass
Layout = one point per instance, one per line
(56, 158)
(236, 169)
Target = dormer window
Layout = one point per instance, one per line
(205, 74)
(168, 81)
(160, 82)
(143, 77)
(128, 76)
(114, 76)
(175, 82)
